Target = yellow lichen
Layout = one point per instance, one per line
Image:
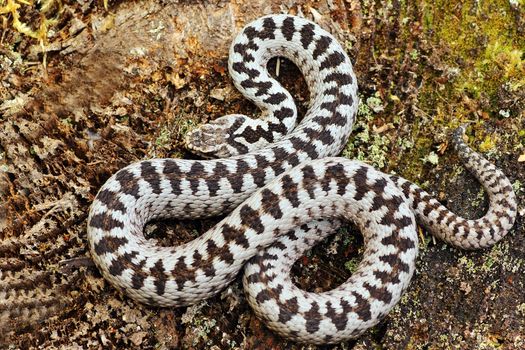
(487, 144)
(12, 8)
(483, 37)
(10, 15)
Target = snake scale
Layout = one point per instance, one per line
(286, 192)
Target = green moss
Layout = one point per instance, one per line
(351, 265)
(488, 143)
(164, 137)
(483, 43)
(470, 58)
(184, 125)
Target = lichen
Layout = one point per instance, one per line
(365, 144)
(10, 14)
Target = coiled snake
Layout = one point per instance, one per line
(287, 193)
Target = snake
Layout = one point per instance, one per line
(285, 190)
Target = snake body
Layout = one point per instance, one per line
(285, 191)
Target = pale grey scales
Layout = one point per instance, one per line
(287, 192)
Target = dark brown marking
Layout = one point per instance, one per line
(240, 67)
(213, 186)
(347, 100)
(254, 277)
(303, 146)
(386, 277)
(280, 155)
(259, 177)
(232, 234)
(276, 98)
(291, 235)
(128, 183)
(196, 173)
(270, 204)
(339, 319)
(138, 276)
(109, 244)
(251, 219)
(267, 256)
(307, 34)
(429, 207)
(213, 250)
(335, 173)
(330, 106)
(288, 309)
(172, 171)
(268, 29)
(321, 45)
(159, 277)
(111, 200)
(262, 162)
(340, 78)
(243, 49)
(394, 261)
(313, 318)
(290, 190)
(284, 113)
(242, 167)
(117, 266)
(197, 258)
(263, 296)
(236, 182)
(325, 136)
(105, 221)
(363, 307)
(288, 28)
(402, 243)
(149, 174)
(332, 60)
(360, 178)
(262, 86)
(309, 180)
(382, 294)
(279, 245)
(220, 169)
